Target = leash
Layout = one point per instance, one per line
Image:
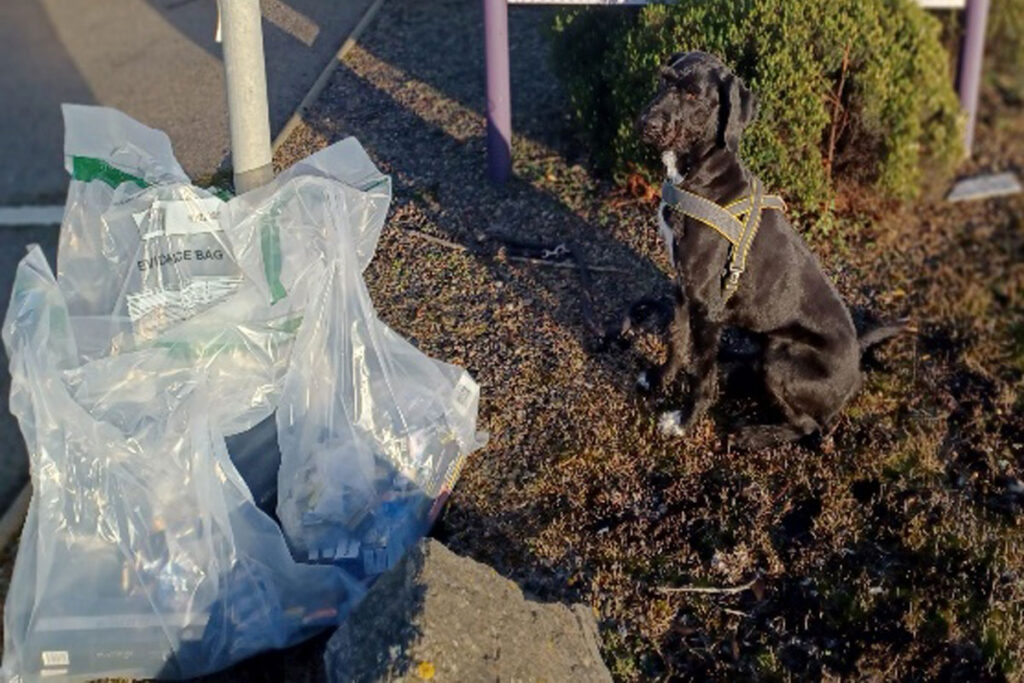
(726, 221)
(559, 253)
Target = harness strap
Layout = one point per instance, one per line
(771, 201)
(738, 252)
(726, 222)
(704, 210)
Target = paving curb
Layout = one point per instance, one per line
(31, 216)
(325, 75)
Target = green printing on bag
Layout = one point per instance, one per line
(270, 245)
(88, 169)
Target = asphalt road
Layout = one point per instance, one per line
(157, 61)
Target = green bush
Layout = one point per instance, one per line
(1005, 44)
(897, 124)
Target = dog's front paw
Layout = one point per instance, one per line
(673, 423)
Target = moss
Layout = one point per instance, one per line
(620, 656)
(768, 666)
(898, 114)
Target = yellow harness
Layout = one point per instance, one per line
(725, 220)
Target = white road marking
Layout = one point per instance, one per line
(31, 215)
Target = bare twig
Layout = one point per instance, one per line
(726, 590)
(913, 378)
(436, 240)
(574, 261)
(837, 103)
(566, 264)
(526, 259)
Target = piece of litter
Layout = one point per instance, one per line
(425, 670)
(985, 186)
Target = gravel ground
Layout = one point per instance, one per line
(891, 549)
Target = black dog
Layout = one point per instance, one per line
(811, 350)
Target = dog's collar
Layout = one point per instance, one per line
(725, 220)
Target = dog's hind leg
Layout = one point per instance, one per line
(798, 424)
(803, 388)
(756, 437)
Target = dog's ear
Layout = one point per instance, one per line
(737, 107)
(669, 69)
(668, 73)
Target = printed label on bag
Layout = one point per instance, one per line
(167, 258)
(163, 307)
(56, 658)
(181, 217)
(465, 391)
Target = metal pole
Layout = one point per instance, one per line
(971, 58)
(499, 99)
(246, 75)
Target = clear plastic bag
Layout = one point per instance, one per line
(145, 553)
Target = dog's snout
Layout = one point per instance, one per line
(651, 125)
(642, 124)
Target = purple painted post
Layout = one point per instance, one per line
(499, 99)
(971, 58)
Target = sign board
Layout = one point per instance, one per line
(928, 4)
(586, 2)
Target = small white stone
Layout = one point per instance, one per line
(985, 186)
(642, 381)
(671, 423)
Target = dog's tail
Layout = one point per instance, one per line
(644, 309)
(636, 316)
(877, 334)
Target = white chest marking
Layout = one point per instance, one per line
(668, 157)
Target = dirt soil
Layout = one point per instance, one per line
(889, 549)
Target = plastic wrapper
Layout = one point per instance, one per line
(192, 351)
